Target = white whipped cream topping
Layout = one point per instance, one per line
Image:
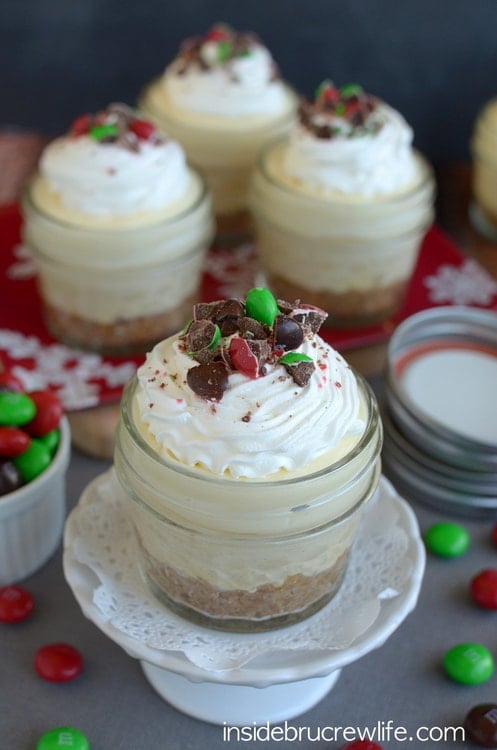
(241, 87)
(289, 426)
(104, 179)
(371, 164)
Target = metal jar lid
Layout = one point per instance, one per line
(441, 408)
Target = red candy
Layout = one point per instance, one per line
(16, 603)
(9, 382)
(81, 125)
(13, 441)
(58, 662)
(48, 413)
(483, 588)
(243, 357)
(218, 34)
(362, 745)
(142, 129)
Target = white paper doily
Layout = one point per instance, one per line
(380, 588)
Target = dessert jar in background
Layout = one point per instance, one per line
(245, 482)
(119, 227)
(341, 207)
(222, 98)
(483, 212)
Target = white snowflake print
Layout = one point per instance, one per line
(70, 371)
(237, 270)
(461, 285)
(24, 266)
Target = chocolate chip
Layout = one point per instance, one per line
(287, 307)
(200, 335)
(223, 312)
(300, 372)
(227, 315)
(205, 310)
(310, 317)
(208, 381)
(262, 351)
(252, 329)
(206, 355)
(288, 333)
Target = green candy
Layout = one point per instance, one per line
(215, 338)
(33, 461)
(469, 663)
(223, 50)
(447, 539)
(293, 357)
(63, 737)
(350, 89)
(51, 440)
(99, 132)
(340, 109)
(261, 305)
(16, 409)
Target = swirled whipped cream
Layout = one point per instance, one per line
(246, 392)
(112, 164)
(351, 143)
(225, 73)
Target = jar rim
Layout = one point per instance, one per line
(427, 182)
(372, 423)
(203, 194)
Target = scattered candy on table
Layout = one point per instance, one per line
(481, 724)
(483, 588)
(29, 432)
(63, 737)
(16, 603)
(447, 539)
(469, 663)
(58, 662)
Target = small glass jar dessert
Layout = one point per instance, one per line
(222, 99)
(341, 207)
(246, 452)
(119, 227)
(483, 212)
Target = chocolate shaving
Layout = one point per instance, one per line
(310, 318)
(246, 345)
(252, 329)
(241, 43)
(200, 335)
(321, 117)
(209, 380)
(121, 117)
(261, 350)
(300, 372)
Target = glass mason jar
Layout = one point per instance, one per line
(351, 257)
(245, 555)
(118, 291)
(484, 180)
(223, 150)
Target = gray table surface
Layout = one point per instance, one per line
(115, 707)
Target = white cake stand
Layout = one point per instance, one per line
(271, 688)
